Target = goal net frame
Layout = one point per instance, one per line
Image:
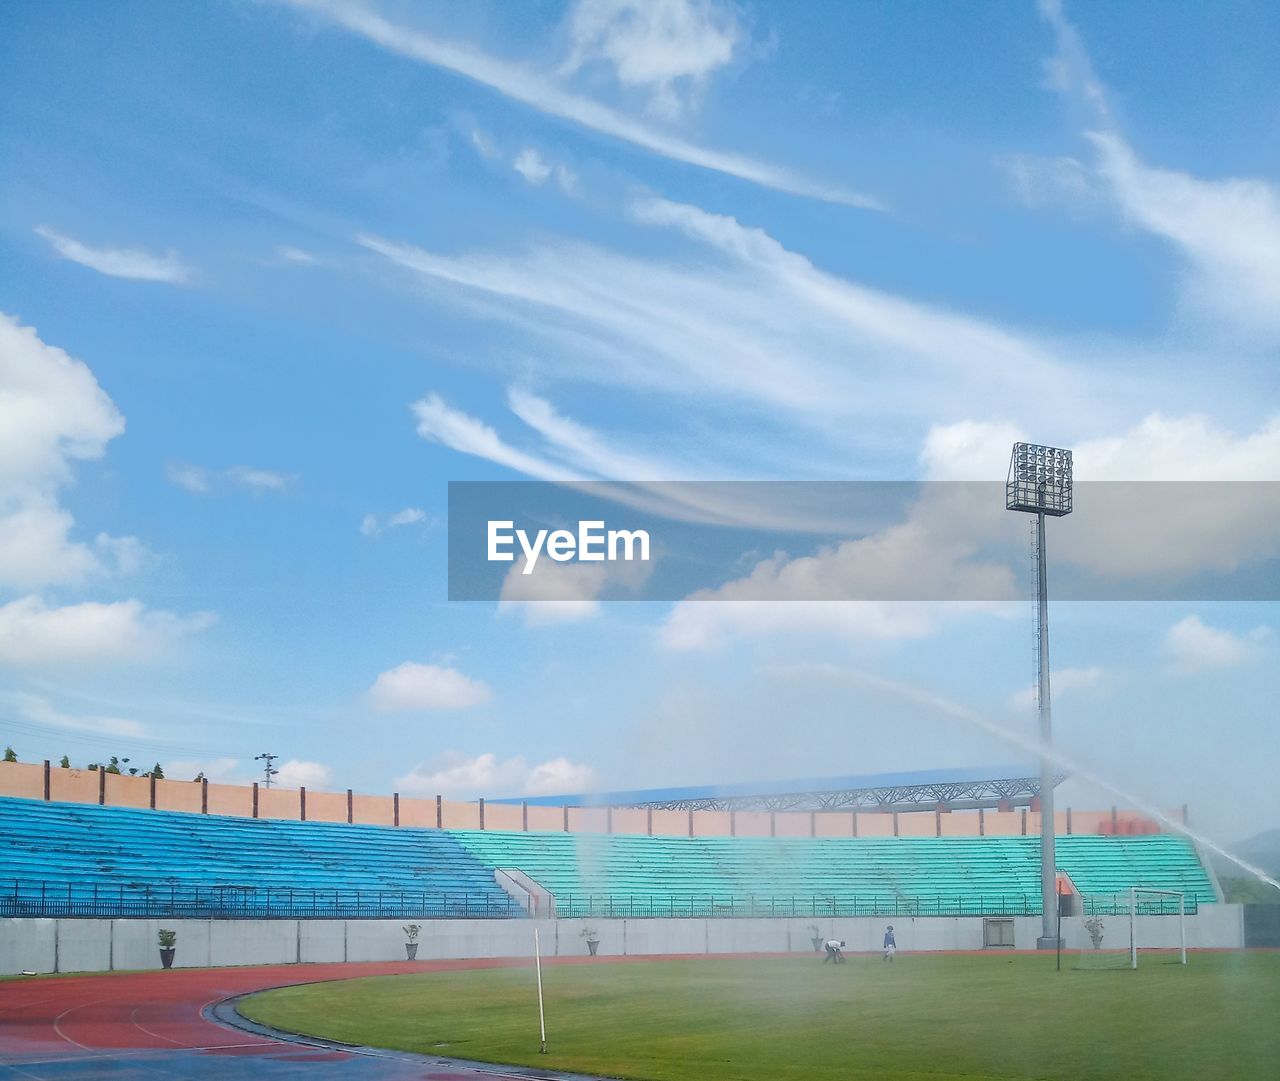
(1135, 897)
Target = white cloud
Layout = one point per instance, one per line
(757, 325)
(32, 634)
(259, 480)
(298, 256)
(40, 711)
(484, 144)
(1061, 681)
(1193, 646)
(695, 625)
(554, 592)
(531, 165)
(371, 525)
(412, 686)
(440, 422)
(458, 776)
(220, 770)
(543, 92)
(1226, 230)
(120, 262)
(193, 478)
(53, 415)
(667, 48)
(296, 773)
(203, 481)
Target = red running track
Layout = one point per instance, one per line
(154, 1024)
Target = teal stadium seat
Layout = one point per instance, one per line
(84, 860)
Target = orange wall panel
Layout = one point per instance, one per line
(670, 823)
(374, 810)
(279, 803)
(792, 823)
(227, 799)
(326, 806)
(960, 824)
(26, 780)
(182, 796)
(1003, 823)
(588, 819)
(74, 785)
(546, 819)
(503, 816)
(711, 823)
(126, 791)
(917, 824)
(419, 813)
(875, 824)
(752, 824)
(630, 820)
(832, 824)
(460, 816)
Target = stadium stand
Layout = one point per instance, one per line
(82, 860)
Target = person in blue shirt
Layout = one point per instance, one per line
(890, 943)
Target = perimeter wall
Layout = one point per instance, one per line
(45, 782)
(104, 945)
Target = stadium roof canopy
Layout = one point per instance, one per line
(985, 786)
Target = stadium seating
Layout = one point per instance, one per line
(76, 859)
(847, 876)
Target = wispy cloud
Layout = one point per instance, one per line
(202, 481)
(1226, 230)
(40, 711)
(544, 93)
(668, 50)
(120, 262)
(371, 524)
(749, 323)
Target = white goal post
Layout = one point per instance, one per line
(1135, 893)
(1135, 906)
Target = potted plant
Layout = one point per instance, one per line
(593, 939)
(817, 939)
(411, 947)
(1094, 926)
(168, 944)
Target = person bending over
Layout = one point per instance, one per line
(835, 951)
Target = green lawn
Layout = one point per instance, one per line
(941, 1018)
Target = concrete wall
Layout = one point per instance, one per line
(26, 780)
(103, 945)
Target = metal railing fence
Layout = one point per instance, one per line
(174, 900)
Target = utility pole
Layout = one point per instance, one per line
(269, 770)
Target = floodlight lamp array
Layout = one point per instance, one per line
(1039, 480)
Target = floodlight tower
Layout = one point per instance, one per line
(1039, 483)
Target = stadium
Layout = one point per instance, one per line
(531, 537)
(638, 898)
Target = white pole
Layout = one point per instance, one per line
(1182, 924)
(542, 1017)
(1133, 936)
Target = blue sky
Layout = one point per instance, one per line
(273, 274)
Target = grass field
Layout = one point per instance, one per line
(941, 1018)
